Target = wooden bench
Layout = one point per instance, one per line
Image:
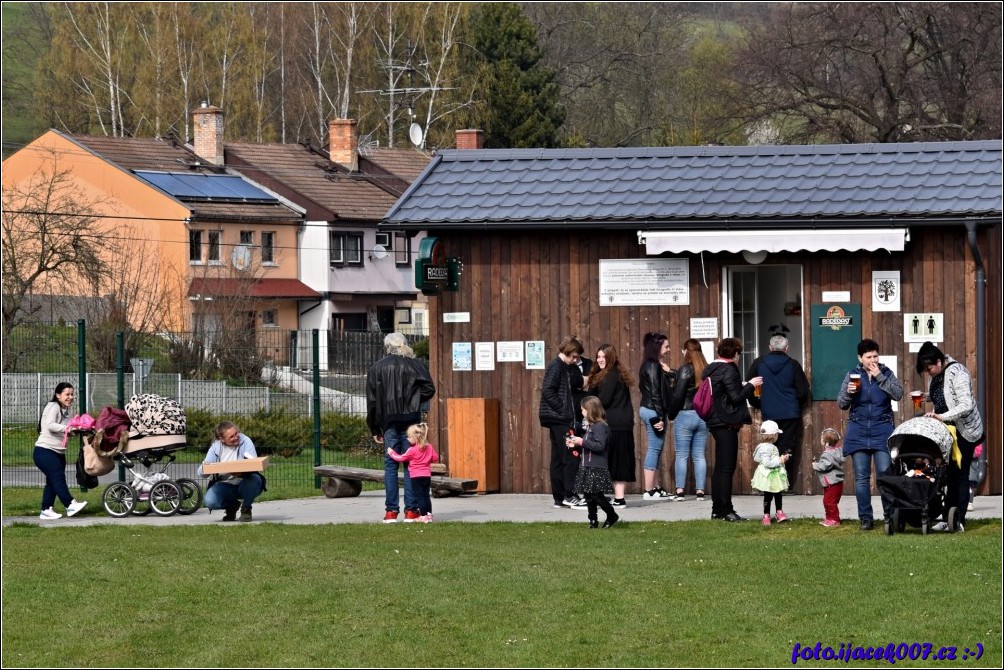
(345, 482)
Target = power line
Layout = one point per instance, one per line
(96, 237)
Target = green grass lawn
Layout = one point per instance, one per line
(695, 593)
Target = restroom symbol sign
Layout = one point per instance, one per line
(923, 327)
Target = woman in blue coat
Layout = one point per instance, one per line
(870, 422)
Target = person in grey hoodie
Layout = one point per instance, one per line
(951, 391)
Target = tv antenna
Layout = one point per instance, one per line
(406, 96)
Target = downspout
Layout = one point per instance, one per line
(981, 329)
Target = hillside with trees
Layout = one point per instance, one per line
(528, 74)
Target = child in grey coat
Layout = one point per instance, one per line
(830, 470)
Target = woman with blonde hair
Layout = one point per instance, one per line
(690, 433)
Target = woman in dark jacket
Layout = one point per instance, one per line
(730, 414)
(654, 381)
(690, 433)
(869, 423)
(557, 414)
(612, 383)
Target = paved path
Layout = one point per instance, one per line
(368, 508)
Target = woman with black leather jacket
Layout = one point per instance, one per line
(654, 382)
(690, 433)
(730, 414)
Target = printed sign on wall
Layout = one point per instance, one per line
(923, 327)
(885, 291)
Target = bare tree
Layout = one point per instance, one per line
(52, 237)
(874, 72)
(137, 298)
(100, 32)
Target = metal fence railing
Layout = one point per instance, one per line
(301, 415)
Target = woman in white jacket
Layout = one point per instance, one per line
(50, 453)
(951, 392)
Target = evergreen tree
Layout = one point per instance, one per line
(517, 95)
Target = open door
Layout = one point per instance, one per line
(759, 297)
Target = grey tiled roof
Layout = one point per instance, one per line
(705, 185)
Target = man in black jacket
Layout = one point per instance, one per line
(785, 392)
(558, 414)
(396, 388)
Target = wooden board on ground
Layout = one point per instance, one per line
(345, 482)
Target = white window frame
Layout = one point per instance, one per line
(195, 247)
(269, 318)
(268, 247)
(214, 247)
(341, 253)
(402, 249)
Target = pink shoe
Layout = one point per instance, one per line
(829, 523)
(781, 516)
(766, 520)
(425, 518)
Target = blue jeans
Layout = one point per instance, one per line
(655, 441)
(422, 486)
(396, 438)
(690, 436)
(222, 495)
(53, 466)
(863, 476)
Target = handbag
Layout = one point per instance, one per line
(85, 481)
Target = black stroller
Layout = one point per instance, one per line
(913, 491)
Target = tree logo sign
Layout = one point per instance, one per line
(885, 291)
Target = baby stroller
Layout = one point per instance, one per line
(913, 491)
(157, 430)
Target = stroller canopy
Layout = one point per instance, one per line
(921, 435)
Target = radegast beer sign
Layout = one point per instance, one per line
(836, 318)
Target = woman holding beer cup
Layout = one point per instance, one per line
(868, 391)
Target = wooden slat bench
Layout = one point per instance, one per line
(345, 482)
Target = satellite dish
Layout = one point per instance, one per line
(379, 251)
(241, 257)
(416, 135)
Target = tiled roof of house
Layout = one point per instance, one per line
(250, 288)
(139, 153)
(364, 195)
(704, 186)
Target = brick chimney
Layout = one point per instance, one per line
(207, 124)
(343, 143)
(470, 139)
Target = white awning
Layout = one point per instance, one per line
(774, 240)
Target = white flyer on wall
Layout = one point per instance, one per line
(461, 356)
(484, 355)
(660, 281)
(509, 352)
(535, 354)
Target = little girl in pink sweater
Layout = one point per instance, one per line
(419, 457)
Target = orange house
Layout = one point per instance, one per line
(192, 245)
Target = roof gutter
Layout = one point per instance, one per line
(682, 224)
(981, 316)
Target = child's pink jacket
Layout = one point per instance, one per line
(418, 460)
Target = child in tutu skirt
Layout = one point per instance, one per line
(770, 475)
(593, 479)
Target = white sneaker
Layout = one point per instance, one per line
(75, 507)
(49, 515)
(970, 508)
(941, 527)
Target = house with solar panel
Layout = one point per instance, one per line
(241, 239)
(899, 243)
